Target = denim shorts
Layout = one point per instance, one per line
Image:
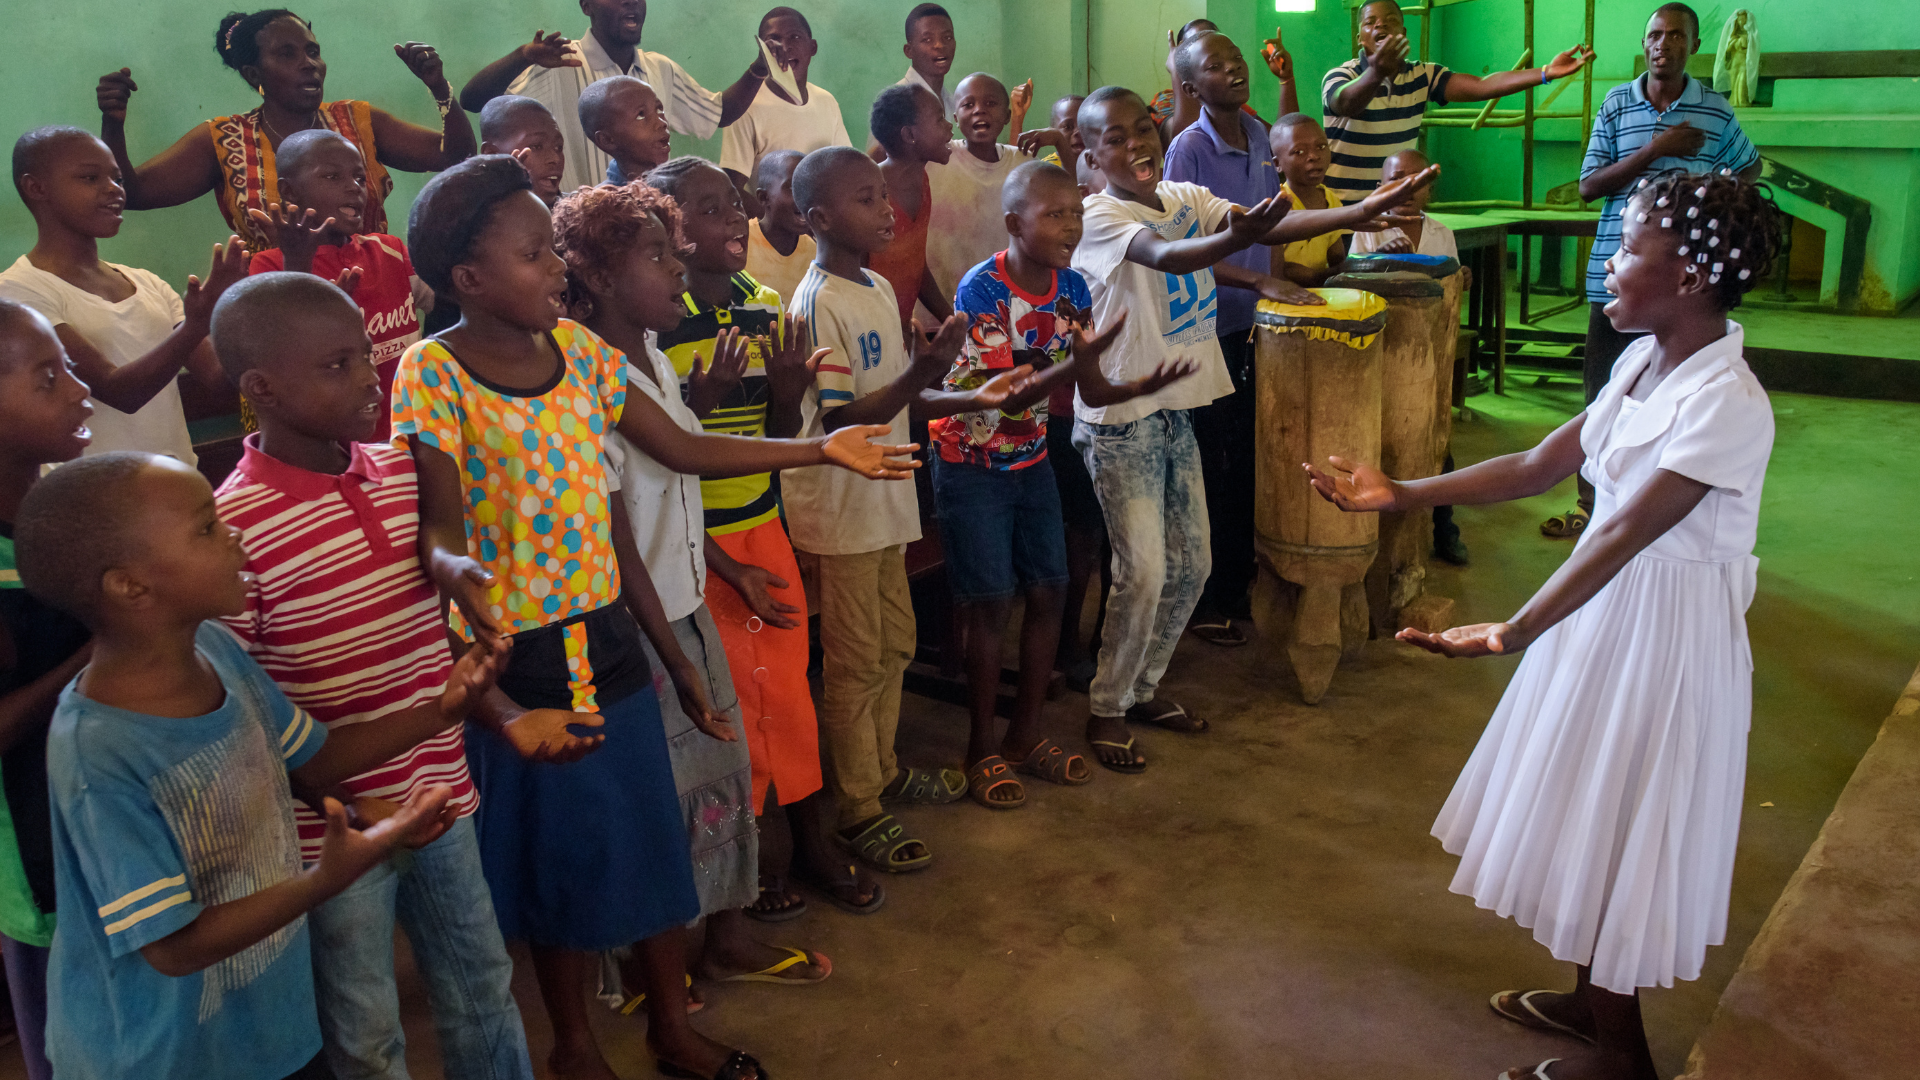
(1000, 529)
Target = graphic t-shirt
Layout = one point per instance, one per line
(384, 294)
(156, 819)
(1006, 321)
(1170, 316)
(43, 638)
(735, 503)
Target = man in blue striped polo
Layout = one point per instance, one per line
(1374, 101)
(1663, 120)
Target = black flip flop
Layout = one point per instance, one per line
(829, 891)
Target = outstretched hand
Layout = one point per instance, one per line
(346, 852)
(708, 386)
(1481, 639)
(851, 448)
(549, 50)
(229, 265)
(1251, 226)
(1388, 54)
(791, 360)
(113, 92)
(1569, 62)
(1388, 196)
(995, 391)
(1088, 348)
(1355, 488)
(297, 233)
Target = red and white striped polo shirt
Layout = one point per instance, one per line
(343, 616)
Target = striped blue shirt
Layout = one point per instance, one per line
(1389, 124)
(1626, 122)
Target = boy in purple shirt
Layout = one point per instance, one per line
(1226, 152)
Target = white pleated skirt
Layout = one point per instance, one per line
(1601, 808)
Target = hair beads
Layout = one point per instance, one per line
(1717, 208)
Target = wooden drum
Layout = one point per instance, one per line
(1317, 394)
(1415, 426)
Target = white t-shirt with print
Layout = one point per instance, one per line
(1169, 316)
(774, 123)
(831, 511)
(968, 227)
(1435, 239)
(123, 333)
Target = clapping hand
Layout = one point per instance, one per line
(791, 361)
(851, 448)
(297, 233)
(931, 359)
(347, 852)
(1388, 54)
(229, 265)
(1252, 225)
(473, 675)
(549, 51)
(463, 580)
(1354, 488)
(995, 391)
(708, 386)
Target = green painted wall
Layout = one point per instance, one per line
(182, 82)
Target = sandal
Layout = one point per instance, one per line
(1168, 715)
(1529, 1017)
(773, 905)
(771, 973)
(1566, 526)
(1133, 766)
(878, 843)
(926, 787)
(1050, 761)
(632, 1004)
(990, 775)
(1222, 633)
(1539, 1071)
(836, 890)
(741, 1066)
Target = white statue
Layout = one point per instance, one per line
(1736, 69)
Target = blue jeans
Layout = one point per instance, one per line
(1000, 529)
(440, 899)
(1147, 475)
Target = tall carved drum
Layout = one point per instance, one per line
(1318, 394)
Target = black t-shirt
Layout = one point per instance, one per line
(42, 638)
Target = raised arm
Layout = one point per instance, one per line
(1305, 224)
(930, 361)
(1464, 88)
(410, 147)
(130, 386)
(1385, 57)
(1280, 62)
(179, 174)
(1361, 488)
(547, 50)
(1241, 229)
(735, 99)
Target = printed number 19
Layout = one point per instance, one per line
(870, 350)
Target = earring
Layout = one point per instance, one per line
(261, 90)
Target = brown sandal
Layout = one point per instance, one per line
(991, 774)
(1049, 761)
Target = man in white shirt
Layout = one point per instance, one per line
(553, 71)
(930, 48)
(804, 121)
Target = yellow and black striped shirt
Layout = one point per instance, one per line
(738, 503)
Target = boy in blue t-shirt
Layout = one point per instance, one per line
(993, 487)
(183, 947)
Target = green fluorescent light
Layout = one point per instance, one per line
(1293, 5)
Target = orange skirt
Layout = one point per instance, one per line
(770, 668)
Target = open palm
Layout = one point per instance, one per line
(1355, 488)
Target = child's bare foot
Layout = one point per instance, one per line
(687, 1053)
(731, 952)
(1546, 1010)
(1113, 745)
(1589, 1065)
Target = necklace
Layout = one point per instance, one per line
(277, 137)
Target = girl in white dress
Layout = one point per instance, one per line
(1602, 805)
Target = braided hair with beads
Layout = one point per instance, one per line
(1729, 227)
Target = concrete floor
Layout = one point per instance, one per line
(1265, 901)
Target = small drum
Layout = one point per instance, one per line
(1412, 367)
(1433, 266)
(1317, 394)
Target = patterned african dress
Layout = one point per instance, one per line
(248, 180)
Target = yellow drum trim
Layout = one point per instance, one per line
(1350, 316)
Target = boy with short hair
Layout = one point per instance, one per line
(910, 126)
(930, 49)
(330, 520)
(1301, 150)
(852, 541)
(1149, 248)
(127, 332)
(779, 248)
(43, 421)
(968, 224)
(1416, 231)
(325, 174)
(525, 129)
(776, 121)
(185, 949)
(623, 117)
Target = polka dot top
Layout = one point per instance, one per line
(531, 469)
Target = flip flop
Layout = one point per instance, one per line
(1529, 1017)
(1049, 761)
(771, 973)
(830, 890)
(989, 775)
(1220, 632)
(1167, 715)
(878, 843)
(927, 787)
(1539, 1071)
(1133, 767)
(632, 1004)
